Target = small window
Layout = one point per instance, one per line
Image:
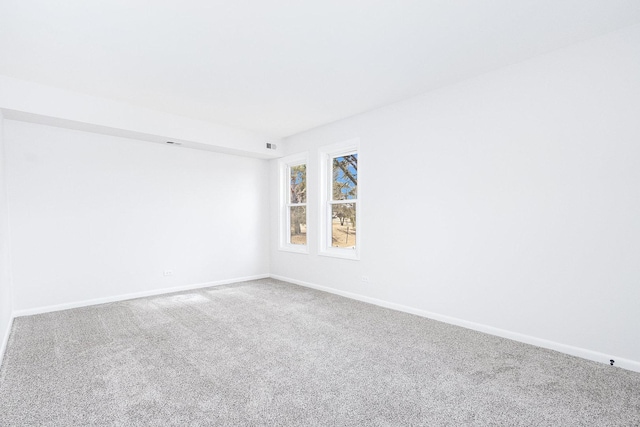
(340, 208)
(293, 220)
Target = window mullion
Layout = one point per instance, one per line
(342, 202)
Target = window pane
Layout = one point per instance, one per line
(298, 221)
(345, 177)
(343, 225)
(298, 181)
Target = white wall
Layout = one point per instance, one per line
(96, 216)
(509, 201)
(33, 102)
(6, 298)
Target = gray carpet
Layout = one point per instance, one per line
(271, 353)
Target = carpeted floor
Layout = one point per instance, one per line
(271, 353)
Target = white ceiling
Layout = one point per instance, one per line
(283, 66)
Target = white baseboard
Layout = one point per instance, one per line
(5, 340)
(583, 353)
(123, 297)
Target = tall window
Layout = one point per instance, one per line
(293, 222)
(340, 208)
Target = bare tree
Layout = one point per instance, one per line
(298, 188)
(345, 187)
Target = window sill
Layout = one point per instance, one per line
(296, 249)
(344, 254)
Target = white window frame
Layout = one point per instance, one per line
(284, 165)
(326, 154)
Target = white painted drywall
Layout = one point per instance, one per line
(511, 200)
(28, 101)
(96, 216)
(6, 298)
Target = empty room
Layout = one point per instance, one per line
(327, 213)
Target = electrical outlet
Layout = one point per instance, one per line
(365, 279)
(167, 273)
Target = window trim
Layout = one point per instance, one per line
(325, 155)
(284, 167)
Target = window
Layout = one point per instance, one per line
(293, 177)
(340, 209)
